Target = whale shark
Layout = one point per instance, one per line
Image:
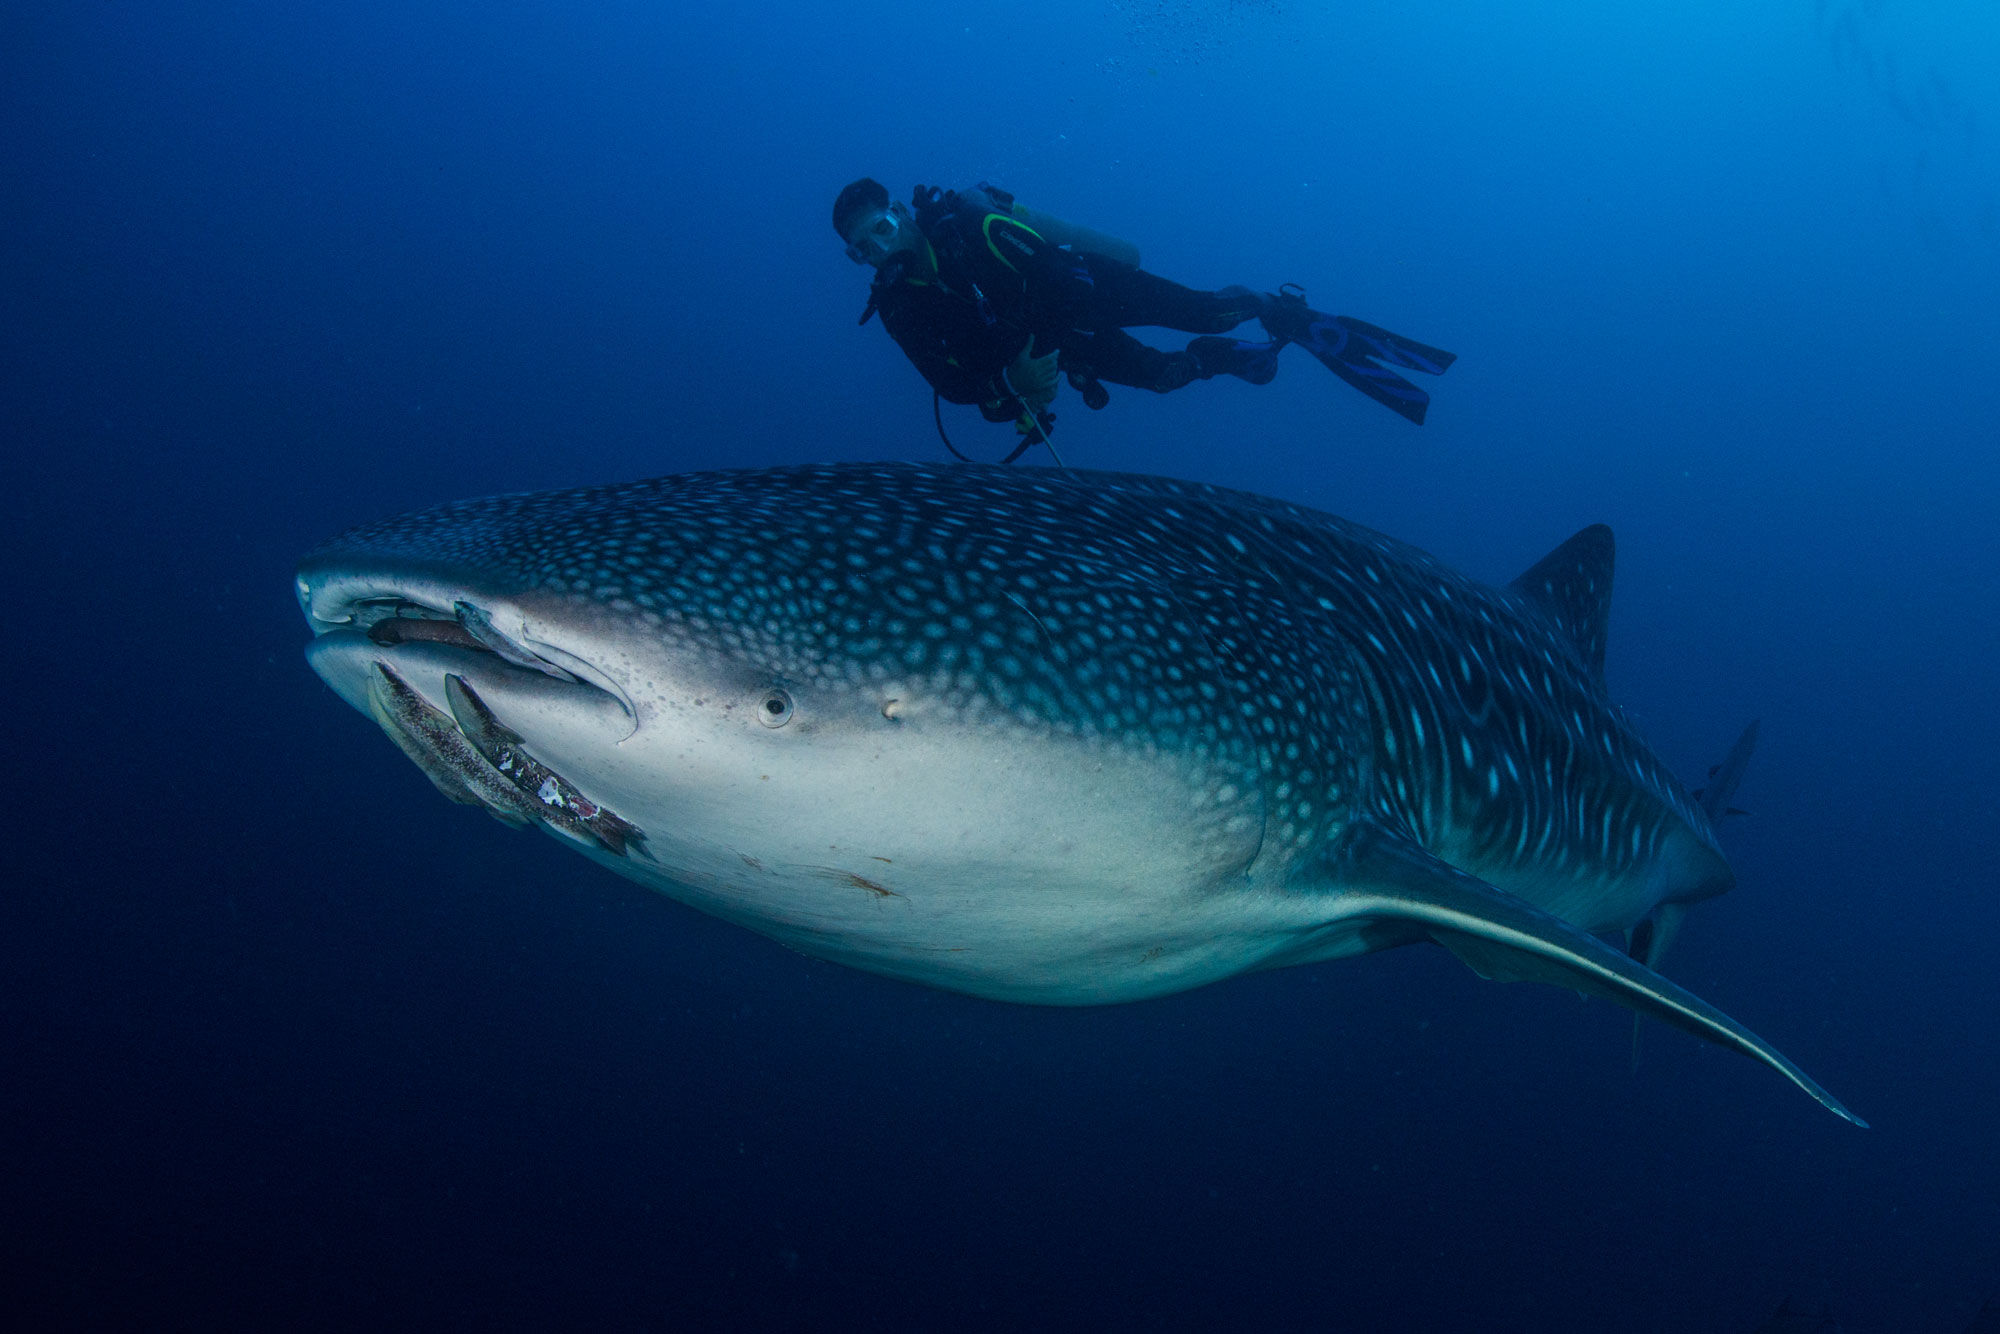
(1053, 737)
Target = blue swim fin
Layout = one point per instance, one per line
(1360, 353)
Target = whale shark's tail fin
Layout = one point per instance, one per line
(1651, 937)
(1723, 778)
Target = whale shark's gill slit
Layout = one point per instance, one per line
(567, 666)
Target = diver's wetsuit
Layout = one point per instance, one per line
(999, 283)
(1121, 297)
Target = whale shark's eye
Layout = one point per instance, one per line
(775, 709)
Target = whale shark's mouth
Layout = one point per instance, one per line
(473, 759)
(466, 751)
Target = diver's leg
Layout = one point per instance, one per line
(1117, 356)
(1216, 354)
(1123, 297)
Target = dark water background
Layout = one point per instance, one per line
(290, 1042)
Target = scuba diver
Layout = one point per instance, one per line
(991, 300)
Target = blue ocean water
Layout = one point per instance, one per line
(291, 1042)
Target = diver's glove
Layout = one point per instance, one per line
(1095, 395)
(1033, 379)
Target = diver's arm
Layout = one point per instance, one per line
(960, 373)
(957, 384)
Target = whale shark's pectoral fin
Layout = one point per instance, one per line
(1507, 939)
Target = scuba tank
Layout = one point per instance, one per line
(1077, 239)
(949, 219)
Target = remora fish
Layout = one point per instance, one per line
(1053, 737)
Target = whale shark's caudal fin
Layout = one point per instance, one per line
(1648, 943)
(1650, 938)
(1723, 778)
(1387, 879)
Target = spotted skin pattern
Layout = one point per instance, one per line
(1064, 737)
(1304, 670)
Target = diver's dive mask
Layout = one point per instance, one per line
(876, 237)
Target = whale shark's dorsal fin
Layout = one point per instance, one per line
(1572, 586)
(1384, 877)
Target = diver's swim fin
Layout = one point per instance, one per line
(1360, 353)
(1396, 349)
